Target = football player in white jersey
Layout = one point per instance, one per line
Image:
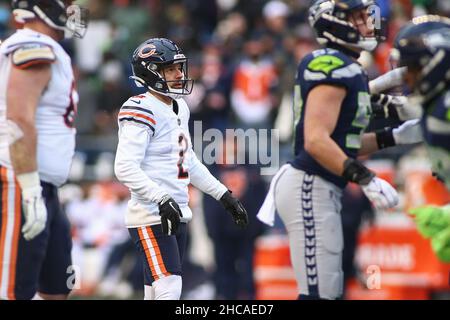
(155, 160)
(37, 105)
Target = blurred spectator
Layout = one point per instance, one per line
(231, 33)
(206, 15)
(209, 102)
(234, 247)
(296, 45)
(97, 219)
(89, 51)
(131, 21)
(355, 208)
(113, 93)
(275, 15)
(122, 275)
(254, 82)
(5, 14)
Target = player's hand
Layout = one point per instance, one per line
(408, 133)
(380, 193)
(383, 107)
(235, 208)
(170, 214)
(395, 107)
(35, 212)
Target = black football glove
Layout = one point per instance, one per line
(235, 208)
(384, 106)
(170, 215)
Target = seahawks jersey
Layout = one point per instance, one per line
(331, 67)
(436, 131)
(56, 107)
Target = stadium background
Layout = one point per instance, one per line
(234, 46)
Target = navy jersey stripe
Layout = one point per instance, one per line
(137, 108)
(138, 121)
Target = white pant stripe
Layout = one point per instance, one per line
(152, 253)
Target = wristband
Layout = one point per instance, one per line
(355, 171)
(385, 138)
(28, 180)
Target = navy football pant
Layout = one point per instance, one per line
(42, 264)
(161, 255)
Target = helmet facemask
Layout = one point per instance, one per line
(164, 86)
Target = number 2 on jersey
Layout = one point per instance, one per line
(182, 142)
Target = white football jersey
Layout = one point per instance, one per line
(57, 106)
(155, 157)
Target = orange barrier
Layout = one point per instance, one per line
(356, 291)
(274, 277)
(422, 188)
(408, 268)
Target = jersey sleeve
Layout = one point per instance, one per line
(132, 112)
(133, 141)
(31, 54)
(329, 68)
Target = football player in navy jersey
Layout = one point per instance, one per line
(332, 108)
(423, 47)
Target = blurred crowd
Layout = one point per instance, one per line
(243, 56)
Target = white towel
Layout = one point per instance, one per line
(266, 213)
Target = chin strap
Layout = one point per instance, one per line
(347, 51)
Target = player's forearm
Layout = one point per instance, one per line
(202, 179)
(387, 81)
(23, 151)
(409, 132)
(327, 153)
(132, 176)
(369, 144)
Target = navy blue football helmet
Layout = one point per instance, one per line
(330, 20)
(148, 61)
(58, 14)
(423, 46)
